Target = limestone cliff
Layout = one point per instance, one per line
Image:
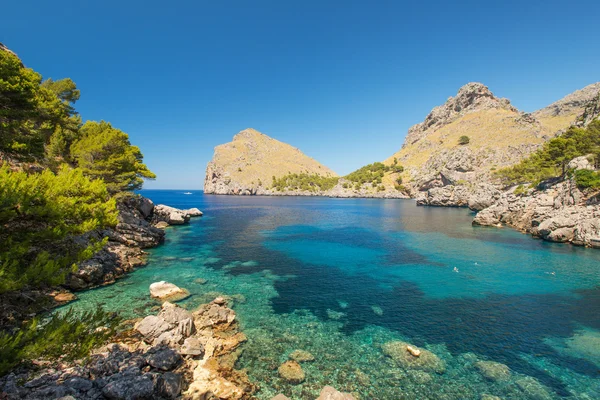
(442, 171)
(247, 164)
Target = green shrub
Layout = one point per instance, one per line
(520, 191)
(551, 160)
(65, 336)
(586, 179)
(464, 140)
(39, 213)
(304, 182)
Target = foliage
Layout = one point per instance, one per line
(104, 152)
(38, 213)
(586, 179)
(371, 173)
(66, 336)
(32, 111)
(305, 182)
(520, 190)
(551, 160)
(464, 140)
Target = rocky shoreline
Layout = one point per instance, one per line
(176, 354)
(555, 211)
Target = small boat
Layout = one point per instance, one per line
(188, 193)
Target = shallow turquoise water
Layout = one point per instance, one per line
(341, 277)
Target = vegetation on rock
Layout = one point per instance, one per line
(463, 140)
(304, 182)
(67, 336)
(39, 213)
(551, 160)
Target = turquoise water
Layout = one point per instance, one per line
(341, 277)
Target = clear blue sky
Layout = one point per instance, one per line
(341, 80)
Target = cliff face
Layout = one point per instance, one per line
(499, 136)
(247, 164)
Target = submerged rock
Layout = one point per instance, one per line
(493, 371)
(329, 393)
(301, 356)
(292, 372)
(403, 357)
(533, 389)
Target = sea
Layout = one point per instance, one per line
(344, 279)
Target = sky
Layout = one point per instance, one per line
(342, 80)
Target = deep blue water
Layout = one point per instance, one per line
(341, 277)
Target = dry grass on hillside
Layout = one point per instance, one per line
(253, 158)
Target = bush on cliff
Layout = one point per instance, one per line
(67, 336)
(39, 213)
(551, 160)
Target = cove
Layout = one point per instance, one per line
(341, 277)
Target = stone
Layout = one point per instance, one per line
(414, 351)
(301, 356)
(329, 393)
(127, 387)
(192, 347)
(193, 212)
(174, 314)
(161, 225)
(163, 358)
(65, 297)
(426, 361)
(152, 327)
(292, 372)
(186, 327)
(170, 215)
(493, 371)
(165, 290)
(169, 385)
(280, 397)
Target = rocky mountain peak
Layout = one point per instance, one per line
(473, 96)
(247, 133)
(572, 103)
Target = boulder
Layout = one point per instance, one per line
(170, 215)
(152, 327)
(65, 297)
(193, 212)
(533, 389)
(127, 387)
(163, 290)
(192, 347)
(399, 352)
(493, 371)
(169, 385)
(173, 314)
(163, 358)
(292, 372)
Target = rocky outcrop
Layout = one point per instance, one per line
(146, 366)
(556, 212)
(137, 229)
(164, 290)
(473, 96)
